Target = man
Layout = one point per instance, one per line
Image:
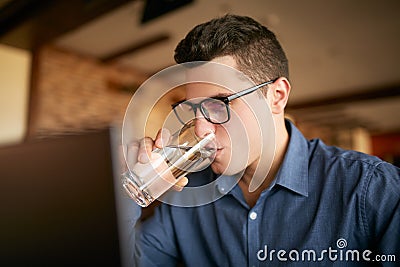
(317, 204)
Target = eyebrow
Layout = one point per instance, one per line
(214, 96)
(221, 95)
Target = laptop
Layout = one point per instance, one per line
(60, 204)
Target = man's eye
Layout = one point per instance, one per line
(215, 105)
(186, 106)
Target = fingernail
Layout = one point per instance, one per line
(143, 158)
(159, 143)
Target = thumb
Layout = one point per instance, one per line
(180, 184)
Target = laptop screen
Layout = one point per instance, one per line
(57, 202)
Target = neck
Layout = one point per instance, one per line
(282, 140)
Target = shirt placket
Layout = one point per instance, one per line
(253, 226)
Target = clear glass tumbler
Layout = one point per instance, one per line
(185, 153)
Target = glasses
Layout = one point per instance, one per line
(214, 109)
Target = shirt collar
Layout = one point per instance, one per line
(293, 173)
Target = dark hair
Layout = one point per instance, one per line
(254, 48)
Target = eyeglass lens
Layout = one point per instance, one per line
(213, 110)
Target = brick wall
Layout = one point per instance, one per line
(74, 93)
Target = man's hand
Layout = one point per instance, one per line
(141, 154)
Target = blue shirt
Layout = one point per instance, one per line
(326, 206)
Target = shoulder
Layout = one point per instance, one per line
(374, 175)
(348, 162)
(352, 167)
(321, 150)
(371, 182)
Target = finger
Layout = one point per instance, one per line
(132, 150)
(145, 148)
(162, 138)
(121, 159)
(182, 182)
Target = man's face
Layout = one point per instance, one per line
(238, 140)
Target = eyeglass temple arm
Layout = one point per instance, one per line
(249, 90)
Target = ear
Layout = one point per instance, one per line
(278, 95)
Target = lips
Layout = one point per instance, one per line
(218, 152)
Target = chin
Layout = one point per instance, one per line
(217, 168)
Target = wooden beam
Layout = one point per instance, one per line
(15, 12)
(375, 93)
(28, 24)
(136, 47)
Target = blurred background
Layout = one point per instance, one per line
(72, 66)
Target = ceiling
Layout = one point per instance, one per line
(343, 55)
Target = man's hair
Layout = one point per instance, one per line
(255, 49)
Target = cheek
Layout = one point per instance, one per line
(244, 121)
(240, 137)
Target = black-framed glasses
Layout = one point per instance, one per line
(214, 109)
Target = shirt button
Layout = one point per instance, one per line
(253, 215)
(222, 190)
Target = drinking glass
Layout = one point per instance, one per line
(184, 153)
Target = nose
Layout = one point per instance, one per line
(202, 126)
